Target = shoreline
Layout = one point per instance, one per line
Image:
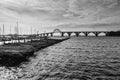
(13, 54)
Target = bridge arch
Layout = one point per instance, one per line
(91, 34)
(102, 34)
(57, 32)
(81, 34)
(65, 34)
(48, 34)
(73, 34)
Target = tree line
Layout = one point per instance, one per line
(113, 33)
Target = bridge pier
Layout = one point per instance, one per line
(96, 34)
(86, 34)
(51, 34)
(69, 33)
(77, 34)
(62, 34)
(47, 34)
(43, 35)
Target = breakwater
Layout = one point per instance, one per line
(12, 54)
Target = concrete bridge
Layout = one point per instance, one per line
(77, 33)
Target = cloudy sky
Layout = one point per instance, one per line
(46, 15)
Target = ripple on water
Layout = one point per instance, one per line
(75, 59)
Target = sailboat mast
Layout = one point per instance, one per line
(10, 29)
(20, 31)
(31, 30)
(17, 28)
(0, 31)
(3, 29)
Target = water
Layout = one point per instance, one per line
(84, 58)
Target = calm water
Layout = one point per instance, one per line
(84, 58)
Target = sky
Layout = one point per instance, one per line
(66, 15)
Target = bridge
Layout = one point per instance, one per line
(77, 33)
(33, 37)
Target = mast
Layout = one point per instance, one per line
(3, 34)
(17, 28)
(34, 31)
(37, 32)
(0, 31)
(3, 29)
(20, 31)
(10, 29)
(31, 30)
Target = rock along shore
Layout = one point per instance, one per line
(12, 54)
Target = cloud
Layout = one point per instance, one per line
(87, 27)
(61, 8)
(97, 13)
